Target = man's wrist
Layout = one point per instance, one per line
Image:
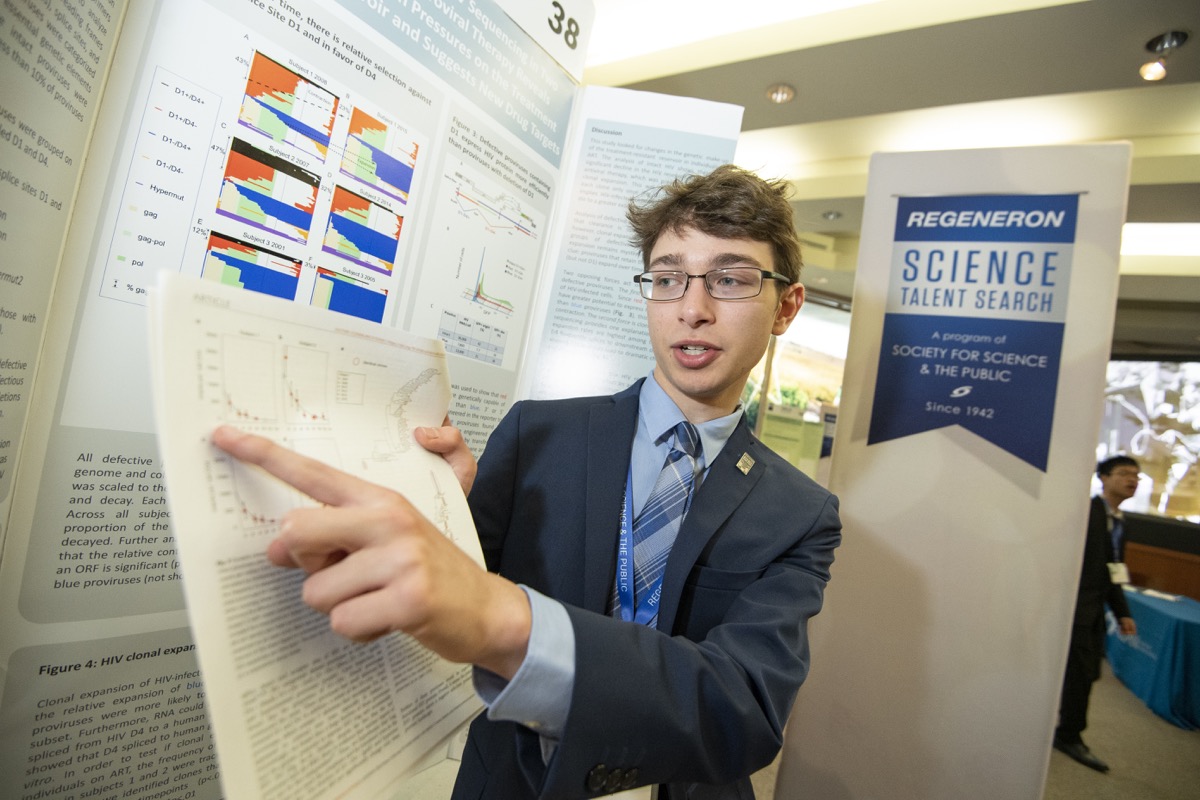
(538, 696)
(507, 629)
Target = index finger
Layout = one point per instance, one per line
(318, 480)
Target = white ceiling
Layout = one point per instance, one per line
(892, 75)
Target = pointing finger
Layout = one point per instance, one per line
(319, 481)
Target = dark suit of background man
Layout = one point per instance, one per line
(584, 698)
(1100, 583)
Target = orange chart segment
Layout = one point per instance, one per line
(287, 108)
(267, 192)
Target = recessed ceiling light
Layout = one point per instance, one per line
(781, 93)
(832, 215)
(1161, 46)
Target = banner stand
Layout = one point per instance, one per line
(981, 327)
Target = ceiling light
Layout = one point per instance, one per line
(1161, 46)
(1161, 239)
(830, 216)
(1153, 70)
(630, 29)
(781, 93)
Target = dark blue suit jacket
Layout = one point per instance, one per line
(701, 708)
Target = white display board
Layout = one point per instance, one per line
(981, 326)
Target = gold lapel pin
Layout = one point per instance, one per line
(745, 463)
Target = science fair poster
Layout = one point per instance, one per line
(973, 321)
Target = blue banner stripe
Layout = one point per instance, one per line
(988, 218)
(996, 378)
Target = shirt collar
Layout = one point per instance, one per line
(660, 414)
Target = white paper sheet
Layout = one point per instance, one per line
(296, 711)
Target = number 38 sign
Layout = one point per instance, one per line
(561, 27)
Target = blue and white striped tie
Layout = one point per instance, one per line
(657, 525)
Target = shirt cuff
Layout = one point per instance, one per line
(539, 695)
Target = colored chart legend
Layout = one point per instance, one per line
(161, 187)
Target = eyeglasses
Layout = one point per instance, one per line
(732, 283)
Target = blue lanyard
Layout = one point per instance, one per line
(647, 609)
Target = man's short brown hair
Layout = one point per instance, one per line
(729, 203)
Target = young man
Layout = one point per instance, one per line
(1099, 584)
(613, 653)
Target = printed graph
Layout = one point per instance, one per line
(236, 263)
(481, 257)
(380, 155)
(258, 501)
(268, 192)
(348, 295)
(288, 108)
(304, 384)
(248, 371)
(362, 232)
(479, 294)
(498, 212)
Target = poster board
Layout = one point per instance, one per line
(399, 162)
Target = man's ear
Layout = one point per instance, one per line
(789, 306)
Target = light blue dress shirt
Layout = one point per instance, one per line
(539, 695)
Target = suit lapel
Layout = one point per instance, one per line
(611, 426)
(723, 490)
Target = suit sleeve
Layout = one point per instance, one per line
(1115, 598)
(1117, 602)
(493, 492)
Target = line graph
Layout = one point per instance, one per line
(481, 258)
(500, 213)
(258, 501)
(480, 296)
(304, 385)
(248, 370)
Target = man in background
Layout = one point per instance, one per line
(1100, 583)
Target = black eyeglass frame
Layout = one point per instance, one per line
(643, 278)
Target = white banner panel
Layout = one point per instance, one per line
(982, 320)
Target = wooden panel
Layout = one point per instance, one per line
(1164, 570)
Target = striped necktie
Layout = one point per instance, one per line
(657, 525)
